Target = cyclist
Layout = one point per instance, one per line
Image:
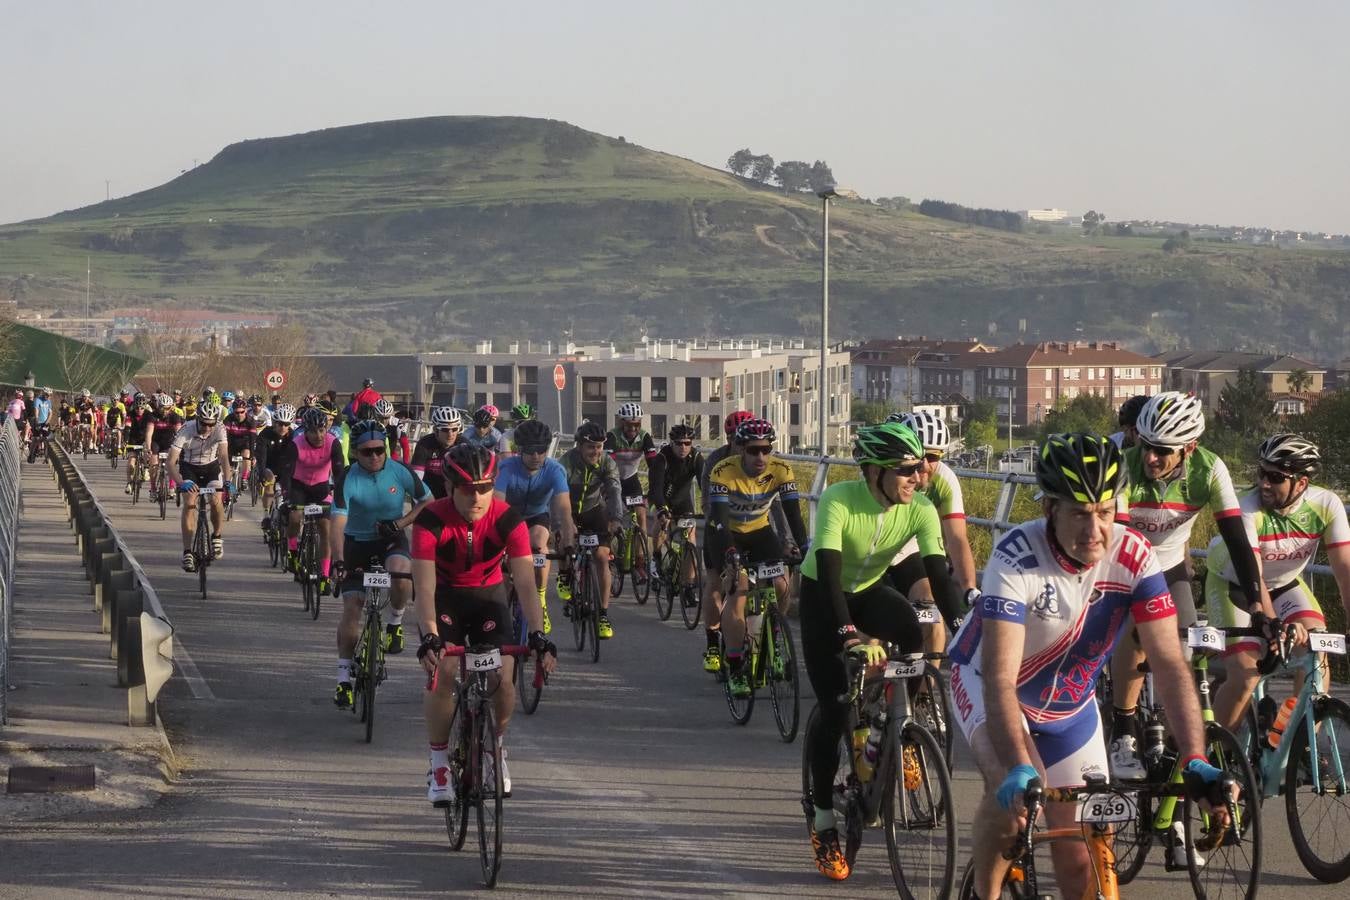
(160, 427)
(199, 455)
(484, 433)
(1128, 435)
(628, 445)
(270, 440)
(85, 415)
(521, 412)
(597, 508)
(368, 513)
(536, 487)
(305, 468)
(397, 440)
(1171, 479)
(42, 419)
(17, 409)
(859, 526)
(241, 429)
(458, 545)
(447, 426)
(939, 483)
(740, 491)
(260, 413)
(115, 419)
(672, 484)
(1285, 517)
(367, 396)
(137, 415)
(1056, 594)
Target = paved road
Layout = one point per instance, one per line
(631, 779)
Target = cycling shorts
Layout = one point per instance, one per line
(466, 616)
(203, 476)
(1070, 748)
(758, 546)
(1227, 606)
(161, 441)
(593, 521)
(302, 494)
(544, 519)
(681, 506)
(359, 554)
(632, 487)
(239, 443)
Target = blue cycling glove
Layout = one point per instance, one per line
(1014, 783)
(187, 486)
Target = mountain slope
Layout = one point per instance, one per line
(459, 226)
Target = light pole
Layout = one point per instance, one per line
(825, 194)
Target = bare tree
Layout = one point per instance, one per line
(257, 351)
(84, 366)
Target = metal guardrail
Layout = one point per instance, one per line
(11, 499)
(140, 634)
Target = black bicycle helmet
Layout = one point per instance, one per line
(590, 431)
(681, 433)
(531, 433)
(1292, 454)
(484, 417)
(1130, 410)
(1082, 468)
(466, 463)
(365, 430)
(314, 419)
(888, 444)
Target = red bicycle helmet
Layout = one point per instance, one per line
(735, 419)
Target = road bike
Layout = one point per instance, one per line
(201, 534)
(905, 790)
(476, 753)
(529, 686)
(368, 669)
(134, 466)
(37, 444)
(307, 557)
(237, 479)
(1310, 765)
(932, 702)
(159, 489)
(112, 445)
(672, 583)
(274, 529)
(584, 607)
(628, 555)
(769, 658)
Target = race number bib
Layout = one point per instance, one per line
(483, 662)
(377, 580)
(684, 523)
(903, 668)
(635, 501)
(927, 615)
(1106, 809)
(1201, 637)
(589, 540)
(540, 560)
(772, 570)
(1320, 642)
(313, 509)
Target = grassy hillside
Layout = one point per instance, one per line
(450, 227)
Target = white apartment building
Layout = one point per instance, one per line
(693, 382)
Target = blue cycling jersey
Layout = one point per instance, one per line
(531, 494)
(367, 497)
(42, 410)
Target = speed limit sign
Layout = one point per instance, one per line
(276, 379)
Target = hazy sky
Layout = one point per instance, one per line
(1212, 112)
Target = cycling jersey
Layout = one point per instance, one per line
(269, 443)
(1072, 614)
(42, 411)
(531, 493)
(629, 454)
(116, 415)
(162, 428)
(673, 481)
(746, 498)
(849, 519)
(263, 417)
(16, 409)
(367, 497)
(426, 462)
(241, 433)
(1164, 511)
(489, 441)
(468, 554)
(593, 487)
(197, 447)
(1286, 540)
(312, 465)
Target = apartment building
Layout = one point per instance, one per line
(1206, 372)
(1031, 378)
(906, 372)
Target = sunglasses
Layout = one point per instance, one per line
(1146, 447)
(446, 430)
(683, 443)
(476, 487)
(758, 451)
(371, 451)
(534, 451)
(1274, 477)
(592, 445)
(934, 456)
(907, 471)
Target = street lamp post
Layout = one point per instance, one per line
(825, 194)
(30, 379)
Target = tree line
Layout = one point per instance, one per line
(792, 175)
(1003, 219)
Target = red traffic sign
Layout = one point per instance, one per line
(275, 379)
(559, 377)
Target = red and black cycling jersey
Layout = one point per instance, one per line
(164, 426)
(426, 462)
(236, 427)
(468, 554)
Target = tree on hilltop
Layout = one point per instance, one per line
(740, 162)
(820, 176)
(761, 168)
(792, 175)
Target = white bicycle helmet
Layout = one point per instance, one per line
(163, 401)
(210, 413)
(285, 413)
(1171, 419)
(383, 408)
(932, 431)
(630, 411)
(443, 416)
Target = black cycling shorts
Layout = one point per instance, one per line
(593, 521)
(467, 616)
(238, 443)
(360, 554)
(201, 475)
(543, 519)
(161, 444)
(632, 487)
(758, 546)
(302, 494)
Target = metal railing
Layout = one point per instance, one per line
(140, 634)
(11, 449)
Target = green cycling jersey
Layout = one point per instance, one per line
(849, 520)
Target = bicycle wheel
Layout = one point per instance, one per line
(933, 709)
(372, 667)
(312, 575)
(667, 584)
(580, 598)
(918, 817)
(784, 688)
(529, 691)
(253, 490)
(273, 545)
(202, 548)
(618, 559)
(1134, 839)
(593, 621)
(642, 569)
(691, 612)
(740, 707)
(1232, 869)
(136, 487)
(457, 808)
(489, 792)
(1319, 809)
(162, 488)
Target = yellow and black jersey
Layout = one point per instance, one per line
(747, 498)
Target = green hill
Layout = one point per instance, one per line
(442, 228)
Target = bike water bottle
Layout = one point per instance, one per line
(872, 748)
(1281, 721)
(1154, 740)
(860, 735)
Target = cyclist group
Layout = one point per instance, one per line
(1100, 580)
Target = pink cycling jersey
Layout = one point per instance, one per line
(313, 465)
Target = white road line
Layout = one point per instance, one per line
(191, 674)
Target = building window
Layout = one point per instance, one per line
(1154, 372)
(693, 390)
(714, 426)
(1101, 374)
(529, 374)
(594, 400)
(659, 427)
(1049, 374)
(479, 374)
(1049, 393)
(627, 388)
(1069, 374)
(1090, 373)
(501, 374)
(794, 414)
(479, 399)
(780, 379)
(659, 390)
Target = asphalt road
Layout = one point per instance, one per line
(630, 780)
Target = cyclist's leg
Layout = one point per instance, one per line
(825, 671)
(398, 561)
(1294, 602)
(714, 558)
(1126, 679)
(1073, 750)
(188, 514)
(760, 545)
(602, 557)
(1226, 607)
(356, 555)
(909, 572)
(539, 543)
(992, 829)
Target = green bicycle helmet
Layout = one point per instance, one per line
(1082, 468)
(887, 444)
(522, 412)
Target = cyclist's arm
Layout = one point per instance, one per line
(947, 592)
(792, 511)
(717, 534)
(174, 452)
(1245, 566)
(656, 479)
(337, 467)
(260, 453)
(777, 518)
(424, 580)
(417, 493)
(1338, 555)
(223, 456)
(561, 512)
(1172, 676)
(609, 471)
(958, 550)
(1001, 644)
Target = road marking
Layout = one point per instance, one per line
(191, 674)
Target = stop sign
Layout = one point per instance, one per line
(559, 377)
(275, 379)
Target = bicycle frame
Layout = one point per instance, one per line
(1272, 762)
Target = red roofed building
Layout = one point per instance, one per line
(1037, 376)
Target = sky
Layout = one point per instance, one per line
(1197, 111)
